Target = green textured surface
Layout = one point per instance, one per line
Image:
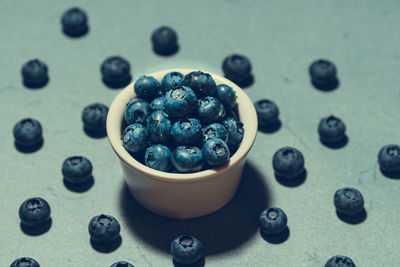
(281, 38)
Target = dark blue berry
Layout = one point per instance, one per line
(186, 131)
(134, 138)
(226, 96)
(323, 74)
(171, 80)
(340, 261)
(158, 157)
(187, 159)
(104, 228)
(208, 109)
(215, 130)
(235, 131)
(202, 83)
(28, 132)
(77, 169)
(147, 87)
(237, 68)
(288, 162)
(25, 262)
(34, 212)
(267, 112)
(389, 159)
(75, 22)
(273, 221)
(116, 72)
(180, 102)
(94, 117)
(137, 111)
(157, 104)
(331, 129)
(348, 201)
(165, 41)
(221, 113)
(158, 127)
(35, 74)
(215, 152)
(122, 264)
(186, 249)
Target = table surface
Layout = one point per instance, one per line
(281, 38)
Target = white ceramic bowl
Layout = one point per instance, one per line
(185, 195)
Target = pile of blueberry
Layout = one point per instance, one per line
(186, 123)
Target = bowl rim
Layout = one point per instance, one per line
(115, 118)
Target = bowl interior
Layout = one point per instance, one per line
(115, 119)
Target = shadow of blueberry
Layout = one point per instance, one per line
(337, 145)
(273, 128)
(35, 231)
(276, 238)
(36, 85)
(221, 231)
(391, 175)
(29, 149)
(106, 247)
(327, 88)
(200, 263)
(118, 85)
(76, 36)
(246, 83)
(166, 53)
(79, 188)
(293, 182)
(95, 134)
(353, 219)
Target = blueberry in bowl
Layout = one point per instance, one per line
(186, 131)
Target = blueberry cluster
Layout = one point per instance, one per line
(186, 123)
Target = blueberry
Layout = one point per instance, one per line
(288, 162)
(171, 80)
(159, 126)
(28, 132)
(340, 261)
(323, 74)
(35, 74)
(147, 87)
(221, 113)
(180, 102)
(136, 111)
(331, 129)
(157, 104)
(186, 131)
(273, 221)
(226, 96)
(77, 169)
(187, 159)
(165, 41)
(134, 138)
(34, 212)
(104, 228)
(158, 157)
(186, 249)
(208, 109)
(235, 131)
(202, 83)
(116, 72)
(389, 159)
(267, 112)
(94, 117)
(215, 152)
(75, 22)
(25, 262)
(215, 130)
(348, 201)
(122, 264)
(237, 68)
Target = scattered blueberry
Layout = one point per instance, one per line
(267, 112)
(187, 159)
(25, 262)
(226, 96)
(288, 163)
(208, 109)
(122, 264)
(35, 74)
(94, 117)
(136, 111)
(237, 68)
(186, 249)
(75, 22)
(180, 102)
(201, 83)
(323, 74)
(273, 221)
(340, 261)
(331, 129)
(157, 104)
(158, 157)
(134, 138)
(158, 127)
(28, 132)
(215, 152)
(348, 201)
(77, 169)
(186, 131)
(116, 72)
(215, 130)
(235, 131)
(389, 159)
(165, 41)
(104, 228)
(147, 87)
(34, 212)
(171, 80)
